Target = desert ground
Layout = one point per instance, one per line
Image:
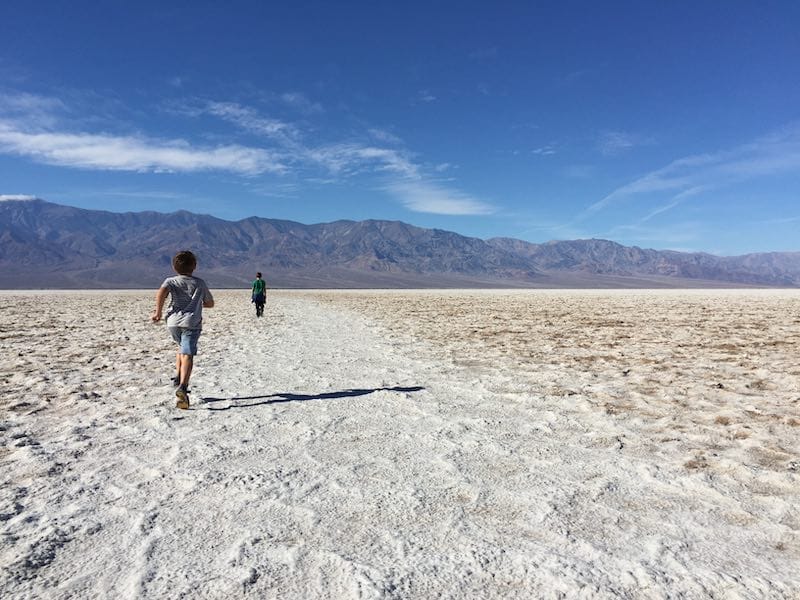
(404, 444)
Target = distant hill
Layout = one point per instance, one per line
(601, 257)
(50, 245)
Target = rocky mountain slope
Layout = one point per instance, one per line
(49, 245)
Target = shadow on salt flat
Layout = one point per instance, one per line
(286, 397)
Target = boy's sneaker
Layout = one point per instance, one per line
(176, 380)
(183, 398)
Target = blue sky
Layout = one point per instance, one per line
(658, 124)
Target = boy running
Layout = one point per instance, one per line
(188, 296)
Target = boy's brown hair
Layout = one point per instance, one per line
(184, 262)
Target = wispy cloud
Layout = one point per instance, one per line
(425, 96)
(250, 120)
(280, 148)
(544, 150)
(15, 197)
(675, 201)
(660, 210)
(613, 143)
(33, 108)
(404, 178)
(300, 102)
(29, 103)
(381, 135)
(34, 126)
(770, 155)
(126, 153)
(351, 158)
(343, 159)
(427, 197)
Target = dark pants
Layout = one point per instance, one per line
(259, 300)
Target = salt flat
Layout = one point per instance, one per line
(426, 444)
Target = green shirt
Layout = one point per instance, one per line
(259, 285)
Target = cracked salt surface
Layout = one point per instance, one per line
(332, 453)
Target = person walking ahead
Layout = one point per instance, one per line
(259, 294)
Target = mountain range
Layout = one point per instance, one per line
(46, 245)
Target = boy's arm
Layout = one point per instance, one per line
(161, 297)
(208, 299)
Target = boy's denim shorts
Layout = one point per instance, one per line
(185, 338)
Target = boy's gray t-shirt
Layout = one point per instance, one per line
(187, 295)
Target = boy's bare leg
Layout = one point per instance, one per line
(185, 364)
(185, 361)
(178, 367)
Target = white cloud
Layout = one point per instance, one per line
(675, 201)
(28, 103)
(344, 159)
(613, 143)
(390, 160)
(773, 154)
(299, 101)
(249, 120)
(384, 136)
(544, 151)
(348, 159)
(32, 108)
(426, 197)
(660, 210)
(17, 197)
(51, 142)
(126, 153)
